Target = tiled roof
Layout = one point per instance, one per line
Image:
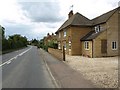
(80, 20)
(91, 35)
(103, 18)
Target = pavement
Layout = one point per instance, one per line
(65, 76)
(25, 69)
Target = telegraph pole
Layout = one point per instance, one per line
(63, 53)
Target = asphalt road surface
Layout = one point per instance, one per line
(25, 69)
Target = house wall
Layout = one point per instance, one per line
(112, 34)
(76, 34)
(88, 52)
(63, 39)
(59, 39)
(97, 44)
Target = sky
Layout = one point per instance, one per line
(36, 18)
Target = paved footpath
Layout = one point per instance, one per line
(65, 76)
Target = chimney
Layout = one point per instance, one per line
(70, 14)
(48, 34)
(52, 34)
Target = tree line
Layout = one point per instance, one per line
(12, 42)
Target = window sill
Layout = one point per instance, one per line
(114, 49)
(87, 49)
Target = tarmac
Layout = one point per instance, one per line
(63, 75)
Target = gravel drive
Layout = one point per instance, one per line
(101, 71)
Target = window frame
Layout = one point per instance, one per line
(97, 28)
(114, 45)
(59, 35)
(59, 45)
(64, 46)
(86, 45)
(65, 33)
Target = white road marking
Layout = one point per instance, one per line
(54, 80)
(9, 61)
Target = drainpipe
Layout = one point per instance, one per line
(92, 48)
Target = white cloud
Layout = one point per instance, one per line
(89, 8)
(15, 19)
(12, 12)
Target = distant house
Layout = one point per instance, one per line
(50, 38)
(93, 38)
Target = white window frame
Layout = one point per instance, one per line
(64, 33)
(115, 45)
(69, 45)
(65, 46)
(59, 45)
(86, 45)
(59, 35)
(97, 28)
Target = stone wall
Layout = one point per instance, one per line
(57, 53)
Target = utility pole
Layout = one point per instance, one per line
(63, 53)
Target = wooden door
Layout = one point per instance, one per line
(103, 46)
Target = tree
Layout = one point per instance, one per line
(13, 42)
(17, 41)
(34, 42)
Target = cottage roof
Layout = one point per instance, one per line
(104, 17)
(77, 20)
(98, 20)
(80, 20)
(91, 35)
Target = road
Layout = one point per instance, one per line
(25, 69)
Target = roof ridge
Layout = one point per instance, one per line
(82, 15)
(105, 13)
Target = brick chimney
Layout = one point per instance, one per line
(52, 34)
(48, 34)
(70, 14)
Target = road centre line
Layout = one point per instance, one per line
(9, 61)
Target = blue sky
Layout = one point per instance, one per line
(35, 18)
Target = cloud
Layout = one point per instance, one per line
(35, 18)
(30, 30)
(14, 28)
(48, 12)
(89, 8)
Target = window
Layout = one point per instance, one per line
(114, 45)
(69, 45)
(59, 46)
(65, 46)
(59, 35)
(86, 45)
(64, 33)
(97, 28)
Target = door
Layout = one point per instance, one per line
(103, 46)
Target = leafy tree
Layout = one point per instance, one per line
(13, 42)
(35, 42)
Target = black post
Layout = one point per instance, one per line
(63, 53)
